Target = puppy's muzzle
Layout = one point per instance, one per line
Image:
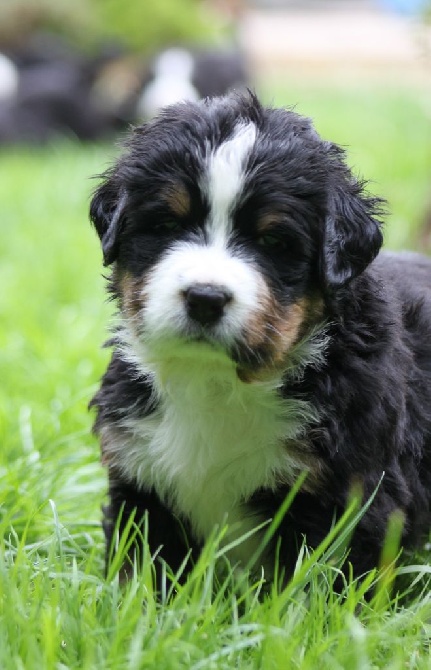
(205, 303)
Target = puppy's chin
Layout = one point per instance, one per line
(169, 355)
(173, 356)
(264, 348)
(189, 351)
(215, 360)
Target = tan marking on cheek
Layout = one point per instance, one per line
(133, 295)
(287, 327)
(256, 325)
(178, 199)
(274, 329)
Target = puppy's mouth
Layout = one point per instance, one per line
(203, 340)
(210, 342)
(206, 323)
(206, 339)
(258, 348)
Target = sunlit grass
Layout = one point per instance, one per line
(56, 608)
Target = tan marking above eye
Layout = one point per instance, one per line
(267, 222)
(178, 200)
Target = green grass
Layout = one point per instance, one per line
(56, 608)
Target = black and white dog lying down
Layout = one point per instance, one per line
(261, 335)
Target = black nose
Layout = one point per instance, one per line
(205, 303)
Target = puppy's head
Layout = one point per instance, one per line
(228, 224)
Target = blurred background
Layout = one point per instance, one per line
(86, 71)
(73, 77)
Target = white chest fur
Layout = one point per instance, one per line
(212, 443)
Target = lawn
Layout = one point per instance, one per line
(56, 608)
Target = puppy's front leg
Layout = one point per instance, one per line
(141, 519)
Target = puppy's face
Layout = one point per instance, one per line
(228, 224)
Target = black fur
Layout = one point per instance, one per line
(373, 390)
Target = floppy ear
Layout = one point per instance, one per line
(107, 215)
(352, 234)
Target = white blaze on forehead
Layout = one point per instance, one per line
(226, 178)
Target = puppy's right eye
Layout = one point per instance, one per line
(171, 225)
(167, 226)
(271, 242)
(268, 241)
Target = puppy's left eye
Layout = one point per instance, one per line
(271, 242)
(168, 226)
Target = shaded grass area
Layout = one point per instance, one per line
(56, 608)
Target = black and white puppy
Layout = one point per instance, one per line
(259, 337)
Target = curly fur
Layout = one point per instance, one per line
(262, 334)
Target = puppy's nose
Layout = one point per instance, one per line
(205, 303)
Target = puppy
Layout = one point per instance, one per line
(260, 336)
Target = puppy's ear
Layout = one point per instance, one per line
(107, 215)
(352, 233)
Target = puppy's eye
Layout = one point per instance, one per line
(168, 226)
(271, 242)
